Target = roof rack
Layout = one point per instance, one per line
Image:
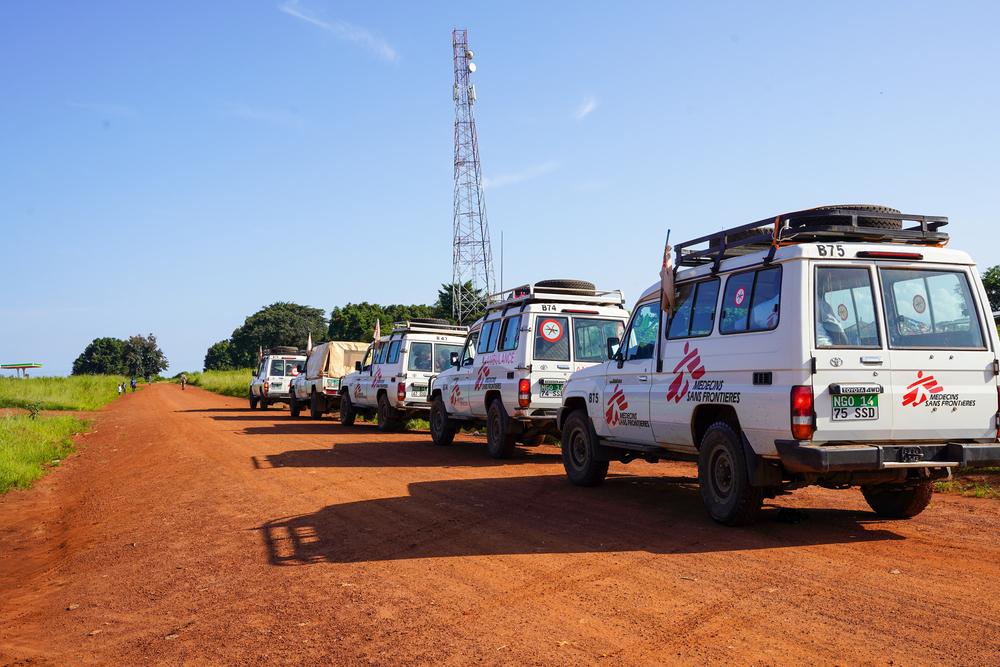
(525, 294)
(825, 224)
(429, 327)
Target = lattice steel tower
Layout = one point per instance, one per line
(472, 259)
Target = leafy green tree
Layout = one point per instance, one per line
(445, 300)
(143, 357)
(991, 281)
(356, 321)
(220, 357)
(103, 356)
(280, 323)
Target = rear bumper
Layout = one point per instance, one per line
(805, 456)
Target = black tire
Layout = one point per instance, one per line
(294, 409)
(443, 428)
(579, 451)
(263, 403)
(899, 501)
(723, 479)
(314, 411)
(581, 287)
(388, 416)
(253, 402)
(500, 441)
(863, 221)
(533, 441)
(284, 349)
(347, 412)
(428, 320)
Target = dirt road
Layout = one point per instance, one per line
(190, 529)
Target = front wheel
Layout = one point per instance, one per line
(314, 408)
(723, 478)
(347, 412)
(499, 440)
(579, 451)
(899, 501)
(442, 427)
(253, 401)
(388, 416)
(293, 405)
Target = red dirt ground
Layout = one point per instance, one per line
(190, 529)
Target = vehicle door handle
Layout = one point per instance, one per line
(643, 378)
(871, 360)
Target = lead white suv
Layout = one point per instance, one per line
(833, 346)
(271, 380)
(392, 380)
(517, 357)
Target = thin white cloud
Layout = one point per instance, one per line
(104, 109)
(526, 174)
(586, 107)
(272, 116)
(343, 30)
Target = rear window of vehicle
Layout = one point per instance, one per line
(590, 337)
(930, 309)
(283, 367)
(551, 338)
(845, 308)
(695, 313)
(421, 357)
(442, 355)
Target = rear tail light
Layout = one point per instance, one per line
(524, 393)
(401, 391)
(266, 385)
(802, 412)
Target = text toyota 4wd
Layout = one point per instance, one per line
(835, 346)
(392, 379)
(517, 357)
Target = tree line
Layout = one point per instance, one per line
(138, 356)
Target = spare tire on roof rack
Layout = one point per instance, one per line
(284, 349)
(578, 287)
(428, 320)
(872, 221)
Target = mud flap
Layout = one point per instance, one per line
(760, 471)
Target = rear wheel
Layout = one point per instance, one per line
(579, 451)
(314, 408)
(263, 403)
(388, 416)
(899, 501)
(293, 405)
(499, 440)
(347, 413)
(442, 427)
(723, 479)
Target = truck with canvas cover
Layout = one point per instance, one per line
(318, 388)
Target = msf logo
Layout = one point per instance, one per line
(357, 390)
(679, 387)
(484, 374)
(455, 396)
(616, 404)
(377, 377)
(921, 389)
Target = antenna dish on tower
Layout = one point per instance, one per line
(472, 67)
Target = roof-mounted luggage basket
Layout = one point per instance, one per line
(429, 327)
(828, 224)
(525, 294)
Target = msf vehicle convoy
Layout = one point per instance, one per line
(318, 388)
(517, 357)
(841, 346)
(271, 381)
(393, 377)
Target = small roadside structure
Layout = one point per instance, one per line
(21, 369)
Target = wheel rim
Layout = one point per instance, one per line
(437, 427)
(722, 473)
(495, 434)
(578, 449)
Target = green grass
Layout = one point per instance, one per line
(972, 482)
(228, 383)
(29, 446)
(76, 392)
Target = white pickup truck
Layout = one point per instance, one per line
(318, 388)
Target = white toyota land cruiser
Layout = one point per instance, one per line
(517, 357)
(392, 379)
(272, 378)
(835, 346)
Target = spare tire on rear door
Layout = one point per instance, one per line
(284, 349)
(873, 221)
(581, 287)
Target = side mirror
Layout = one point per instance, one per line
(613, 344)
(357, 365)
(454, 359)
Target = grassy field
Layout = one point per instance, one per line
(76, 392)
(28, 446)
(228, 383)
(977, 483)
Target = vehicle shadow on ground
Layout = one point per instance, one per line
(420, 453)
(538, 515)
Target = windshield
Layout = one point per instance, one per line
(590, 337)
(930, 309)
(283, 367)
(442, 355)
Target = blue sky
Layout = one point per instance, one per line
(172, 167)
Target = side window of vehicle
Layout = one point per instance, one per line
(469, 353)
(486, 336)
(393, 355)
(551, 338)
(366, 363)
(680, 325)
(752, 301)
(511, 333)
(380, 359)
(695, 315)
(640, 341)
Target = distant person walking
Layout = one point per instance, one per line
(184, 381)
(121, 388)
(134, 383)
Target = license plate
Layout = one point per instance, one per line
(418, 390)
(855, 407)
(551, 391)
